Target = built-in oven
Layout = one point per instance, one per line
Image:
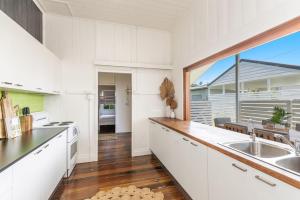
(72, 146)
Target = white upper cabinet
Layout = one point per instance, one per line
(105, 41)
(153, 46)
(115, 42)
(125, 43)
(25, 63)
(122, 44)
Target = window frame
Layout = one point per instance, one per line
(279, 31)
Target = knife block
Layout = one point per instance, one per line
(26, 123)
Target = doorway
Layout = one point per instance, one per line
(114, 107)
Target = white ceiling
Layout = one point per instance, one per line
(160, 14)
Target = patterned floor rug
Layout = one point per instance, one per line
(128, 193)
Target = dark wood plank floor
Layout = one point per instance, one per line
(116, 168)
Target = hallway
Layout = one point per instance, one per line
(116, 168)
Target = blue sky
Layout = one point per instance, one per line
(285, 50)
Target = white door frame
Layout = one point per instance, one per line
(118, 70)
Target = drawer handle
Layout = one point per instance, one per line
(7, 83)
(238, 167)
(19, 85)
(153, 122)
(39, 88)
(38, 152)
(46, 146)
(167, 130)
(59, 136)
(265, 181)
(195, 145)
(185, 139)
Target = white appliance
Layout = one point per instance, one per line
(41, 120)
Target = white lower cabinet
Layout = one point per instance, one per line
(269, 188)
(6, 178)
(206, 174)
(36, 175)
(227, 178)
(185, 159)
(232, 180)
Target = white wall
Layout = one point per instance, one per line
(213, 25)
(123, 103)
(74, 41)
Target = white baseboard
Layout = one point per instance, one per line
(94, 157)
(141, 152)
(83, 158)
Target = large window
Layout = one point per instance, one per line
(265, 76)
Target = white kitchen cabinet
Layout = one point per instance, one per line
(185, 159)
(6, 178)
(105, 41)
(269, 188)
(206, 174)
(125, 43)
(41, 170)
(132, 46)
(25, 63)
(228, 178)
(191, 168)
(115, 42)
(28, 178)
(196, 171)
(232, 180)
(153, 46)
(153, 137)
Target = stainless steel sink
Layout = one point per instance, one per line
(259, 149)
(291, 163)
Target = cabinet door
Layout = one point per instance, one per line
(105, 41)
(269, 188)
(46, 167)
(228, 179)
(27, 177)
(152, 136)
(6, 178)
(181, 173)
(153, 46)
(162, 139)
(196, 171)
(125, 43)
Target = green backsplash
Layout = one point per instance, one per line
(34, 101)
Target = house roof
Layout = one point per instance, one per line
(293, 67)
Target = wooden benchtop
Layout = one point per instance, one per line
(187, 128)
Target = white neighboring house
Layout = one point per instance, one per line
(258, 81)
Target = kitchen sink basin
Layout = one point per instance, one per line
(259, 149)
(291, 163)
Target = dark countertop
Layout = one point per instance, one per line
(12, 150)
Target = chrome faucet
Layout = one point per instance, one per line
(295, 147)
(252, 134)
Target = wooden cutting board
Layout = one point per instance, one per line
(7, 108)
(2, 128)
(11, 121)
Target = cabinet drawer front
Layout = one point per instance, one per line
(268, 187)
(5, 181)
